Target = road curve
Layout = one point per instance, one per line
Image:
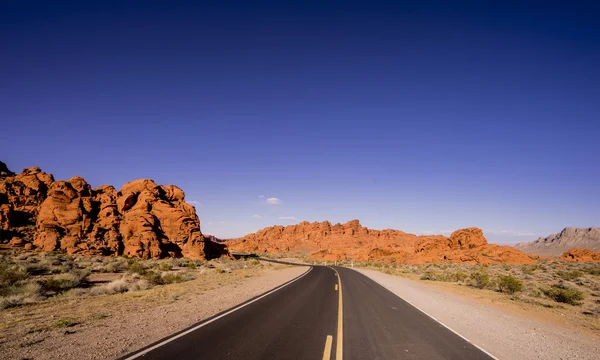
(300, 321)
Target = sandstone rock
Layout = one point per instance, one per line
(23, 193)
(64, 217)
(581, 255)
(5, 217)
(143, 219)
(467, 239)
(323, 241)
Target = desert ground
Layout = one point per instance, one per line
(68, 307)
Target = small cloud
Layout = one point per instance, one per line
(194, 202)
(288, 218)
(221, 222)
(261, 196)
(257, 216)
(446, 232)
(273, 201)
(426, 232)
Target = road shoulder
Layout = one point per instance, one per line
(502, 333)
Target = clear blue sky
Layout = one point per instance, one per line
(425, 118)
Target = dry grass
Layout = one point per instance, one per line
(90, 301)
(32, 278)
(570, 289)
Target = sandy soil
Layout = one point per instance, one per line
(106, 327)
(506, 331)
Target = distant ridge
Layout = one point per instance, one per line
(569, 238)
(326, 241)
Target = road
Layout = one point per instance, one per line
(303, 319)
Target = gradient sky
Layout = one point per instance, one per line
(424, 118)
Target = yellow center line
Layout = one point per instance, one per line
(335, 287)
(327, 351)
(339, 351)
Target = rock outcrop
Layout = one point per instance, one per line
(324, 241)
(581, 255)
(143, 219)
(569, 238)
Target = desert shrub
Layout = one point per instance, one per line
(37, 268)
(455, 276)
(64, 282)
(158, 278)
(480, 279)
(164, 266)
(220, 271)
(114, 287)
(567, 296)
(190, 265)
(569, 275)
(529, 269)
(115, 266)
(125, 284)
(21, 294)
(254, 262)
(428, 275)
(136, 267)
(594, 271)
(178, 262)
(509, 284)
(10, 274)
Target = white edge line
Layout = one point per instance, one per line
(431, 316)
(141, 353)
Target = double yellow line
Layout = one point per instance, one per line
(339, 351)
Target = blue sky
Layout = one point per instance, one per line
(424, 118)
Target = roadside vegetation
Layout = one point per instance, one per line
(562, 285)
(32, 277)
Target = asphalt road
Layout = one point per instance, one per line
(303, 320)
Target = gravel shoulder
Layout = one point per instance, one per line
(108, 327)
(503, 332)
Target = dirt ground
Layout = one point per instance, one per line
(109, 326)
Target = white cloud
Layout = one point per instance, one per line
(288, 218)
(261, 196)
(257, 216)
(194, 202)
(221, 222)
(446, 232)
(426, 232)
(273, 201)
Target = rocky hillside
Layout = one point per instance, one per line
(353, 241)
(143, 219)
(569, 238)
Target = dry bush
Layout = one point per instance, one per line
(480, 279)
(63, 282)
(509, 284)
(568, 296)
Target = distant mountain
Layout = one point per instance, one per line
(569, 238)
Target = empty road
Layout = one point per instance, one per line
(303, 319)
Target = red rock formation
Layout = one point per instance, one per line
(581, 255)
(143, 219)
(353, 241)
(20, 197)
